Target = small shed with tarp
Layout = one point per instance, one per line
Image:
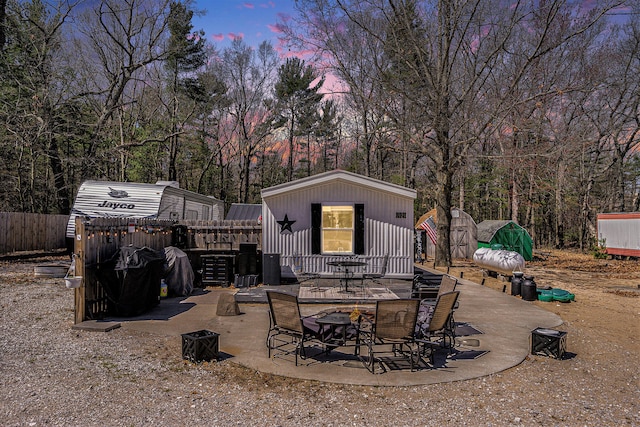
(507, 235)
(463, 238)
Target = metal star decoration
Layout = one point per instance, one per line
(285, 224)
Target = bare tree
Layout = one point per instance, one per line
(249, 76)
(444, 54)
(117, 40)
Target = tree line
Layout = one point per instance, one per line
(508, 110)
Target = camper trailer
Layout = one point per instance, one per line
(162, 200)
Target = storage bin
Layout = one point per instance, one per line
(548, 342)
(200, 346)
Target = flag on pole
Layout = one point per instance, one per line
(429, 226)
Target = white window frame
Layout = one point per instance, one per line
(350, 227)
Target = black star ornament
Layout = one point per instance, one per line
(285, 224)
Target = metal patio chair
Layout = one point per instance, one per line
(301, 272)
(422, 288)
(391, 332)
(287, 332)
(376, 275)
(434, 326)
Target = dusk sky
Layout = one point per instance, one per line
(253, 21)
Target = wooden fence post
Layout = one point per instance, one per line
(80, 243)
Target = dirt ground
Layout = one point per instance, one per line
(52, 375)
(606, 291)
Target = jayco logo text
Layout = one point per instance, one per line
(114, 205)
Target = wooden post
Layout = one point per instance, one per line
(80, 243)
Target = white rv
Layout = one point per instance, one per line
(162, 200)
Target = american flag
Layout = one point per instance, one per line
(429, 226)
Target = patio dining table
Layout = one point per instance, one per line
(345, 273)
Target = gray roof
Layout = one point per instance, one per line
(339, 175)
(244, 211)
(488, 228)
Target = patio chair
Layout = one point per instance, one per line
(427, 289)
(394, 326)
(447, 284)
(287, 330)
(301, 273)
(434, 326)
(377, 274)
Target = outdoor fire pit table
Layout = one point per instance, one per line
(333, 321)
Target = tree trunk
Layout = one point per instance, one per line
(291, 146)
(618, 190)
(62, 190)
(515, 195)
(444, 178)
(560, 208)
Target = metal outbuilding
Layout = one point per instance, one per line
(619, 233)
(244, 212)
(339, 214)
(508, 234)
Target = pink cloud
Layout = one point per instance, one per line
(275, 28)
(217, 37)
(248, 5)
(234, 36)
(285, 17)
(285, 52)
(268, 5)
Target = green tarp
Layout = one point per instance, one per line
(510, 235)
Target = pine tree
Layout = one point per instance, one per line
(185, 57)
(297, 96)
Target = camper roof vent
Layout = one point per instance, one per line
(175, 184)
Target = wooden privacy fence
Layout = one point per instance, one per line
(20, 231)
(97, 241)
(222, 234)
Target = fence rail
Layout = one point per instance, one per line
(21, 232)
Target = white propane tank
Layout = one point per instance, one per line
(500, 261)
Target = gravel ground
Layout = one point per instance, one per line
(52, 375)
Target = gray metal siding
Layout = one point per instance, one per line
(384, 232)
(623, 233)
(244, 211)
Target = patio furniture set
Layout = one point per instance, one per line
(349, 270)
(398, 334)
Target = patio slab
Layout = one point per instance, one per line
(505, 323)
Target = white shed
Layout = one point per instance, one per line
(335, 214)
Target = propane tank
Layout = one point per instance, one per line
(500, 261)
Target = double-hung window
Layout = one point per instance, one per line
(337, 229)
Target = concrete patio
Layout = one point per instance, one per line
(504, 322)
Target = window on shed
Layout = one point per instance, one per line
(337, 229)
